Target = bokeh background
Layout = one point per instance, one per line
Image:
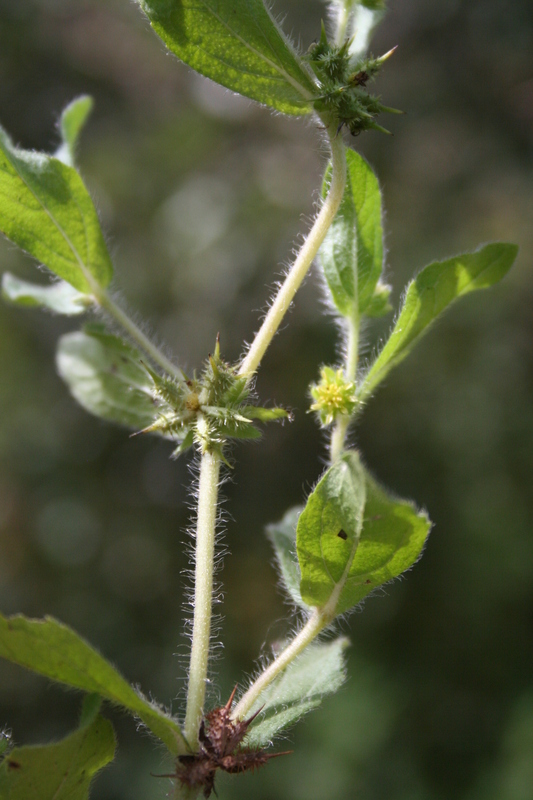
(202, 196)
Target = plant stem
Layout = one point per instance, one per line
(107, 304)
(314, 625)
(203, 591)
(304, 259)
(343, 17)
(338, 436)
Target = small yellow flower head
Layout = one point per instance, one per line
(333, 395)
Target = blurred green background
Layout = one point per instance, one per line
(202, 196)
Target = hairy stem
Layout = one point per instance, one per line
(120, 316)
(338, 436)
(305, 258)
(203, 591)
(314, 625)
(343, 17)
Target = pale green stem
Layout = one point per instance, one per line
(343, 17)
(338, 436)
(305, 258)
(203, 593)
(314, 625)
(107, 304)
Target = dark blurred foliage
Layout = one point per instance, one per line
(202, 196)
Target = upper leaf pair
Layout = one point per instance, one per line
(352, 260)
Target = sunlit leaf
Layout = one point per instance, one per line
(59, 297)
(57, 652)
(352, 252)
(432, 291)
(46, 210)
(71, 124)
(328, 529)
(335, 563)
(318, 672)
(60, 771)
(237, 44)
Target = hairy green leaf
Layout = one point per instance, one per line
(5, 741)
(432, 291)
(282, 534)
(59, 297)
(341, 569)
(71, 125)
(57, 652)
(107, 378)
(319, 671)
(237, 44)
(392, 539)
(60, 771)
(352, 252)
(264, 414)
(328, 531)
(46, 210)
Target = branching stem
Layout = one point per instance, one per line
(305, 258)
(314, 625)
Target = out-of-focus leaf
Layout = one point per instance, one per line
(379, 304)
(57, 652)
(352, 252)
(328, 530)
(71, 124)
(107, 378)
(282, 534)
(432, 291)
(60, 771)
(237, 44)
(60, 297)
(319, 671)
(46, 210)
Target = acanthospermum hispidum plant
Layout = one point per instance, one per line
(350, 536)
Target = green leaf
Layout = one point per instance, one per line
(60, 771)
(379, 303)
(71, 124)
(264, 414)
(391, 540)
(5, 741)
(328, 531)
(46, 210)
(283, 537)
(59, 297)
(237, 44)
(57, 652)
(352, 252)
(432, 291)
(319, 671)
(107, 378)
